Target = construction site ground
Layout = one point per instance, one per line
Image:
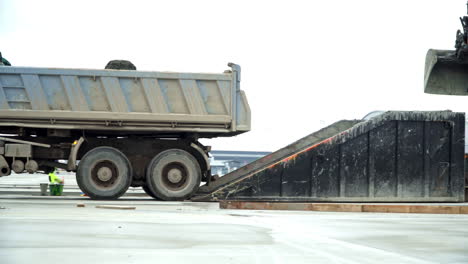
(138, 229)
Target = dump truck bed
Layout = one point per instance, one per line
(124, 101)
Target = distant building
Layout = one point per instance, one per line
(225, 161)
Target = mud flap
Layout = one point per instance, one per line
(445, 74)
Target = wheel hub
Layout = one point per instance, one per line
(174, 175)
(104, 174)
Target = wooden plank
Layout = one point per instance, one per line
(337, 207)
(385, 208)
(348, 207)
(435, 209)
(118, 207)
(464, 210)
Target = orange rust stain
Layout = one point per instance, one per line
(292, 157)
(276, 163)
(271, 166)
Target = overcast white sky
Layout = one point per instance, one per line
(305, 64)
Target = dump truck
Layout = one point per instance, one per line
(118, 128)
(446, 71)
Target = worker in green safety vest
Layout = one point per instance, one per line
(53, 178)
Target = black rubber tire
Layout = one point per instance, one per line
(120, 65)
(149, 192)
(158, 171)
(115, 162)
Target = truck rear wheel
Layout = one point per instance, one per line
(149, 192)
(173, 175)
(104, 173)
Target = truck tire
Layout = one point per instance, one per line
(149, 192)
(104, 173)
(120, 65)
(173, 175)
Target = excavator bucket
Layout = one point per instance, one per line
(445, 74)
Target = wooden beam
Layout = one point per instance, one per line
(349, 207)
(116, 207)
